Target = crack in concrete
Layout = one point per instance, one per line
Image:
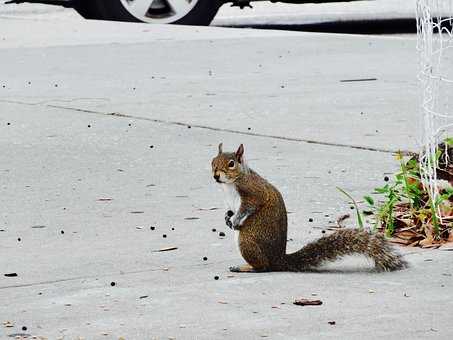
(212, 128)
(121, 273)
(247, 133)
(53, 100)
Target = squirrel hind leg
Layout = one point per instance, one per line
(385, 258)
(254, 256)
(245, 269)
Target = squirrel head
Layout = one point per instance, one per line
(227, 167)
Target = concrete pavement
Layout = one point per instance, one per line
(104, 136)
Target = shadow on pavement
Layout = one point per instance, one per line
(378, 26)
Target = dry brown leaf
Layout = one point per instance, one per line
(428, 241)
(414, 244)
(399, 241)
(406, 234)
(430, 244)
(404, 222)
(429, 231)
(307, 302)
(402, 208)
(413, 227)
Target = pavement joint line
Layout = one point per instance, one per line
(255, 134)
(121, 273)
(53, 100)
(206, 127)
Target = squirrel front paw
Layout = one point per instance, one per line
(228, 216)
(236, 223)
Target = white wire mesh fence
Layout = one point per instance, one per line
(435, 46)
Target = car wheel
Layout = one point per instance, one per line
(88, 9)
(185, 12)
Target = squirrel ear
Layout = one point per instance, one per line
(220, 148)
(240, 153)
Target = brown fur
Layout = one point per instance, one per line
(263, 234)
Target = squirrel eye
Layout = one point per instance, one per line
(231, 164)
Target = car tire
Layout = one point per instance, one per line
(197, 12)
(88, 9)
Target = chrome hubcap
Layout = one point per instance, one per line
(159, 11)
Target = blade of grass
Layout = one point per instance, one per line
(359, 216)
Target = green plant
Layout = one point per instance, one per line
(359, 215)
(409, 178)
(403, 207)
(436, 205)
(408, 194)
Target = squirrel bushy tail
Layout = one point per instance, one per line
(341, 243)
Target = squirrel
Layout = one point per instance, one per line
(257, 213)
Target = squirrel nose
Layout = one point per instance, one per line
(216, 177)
